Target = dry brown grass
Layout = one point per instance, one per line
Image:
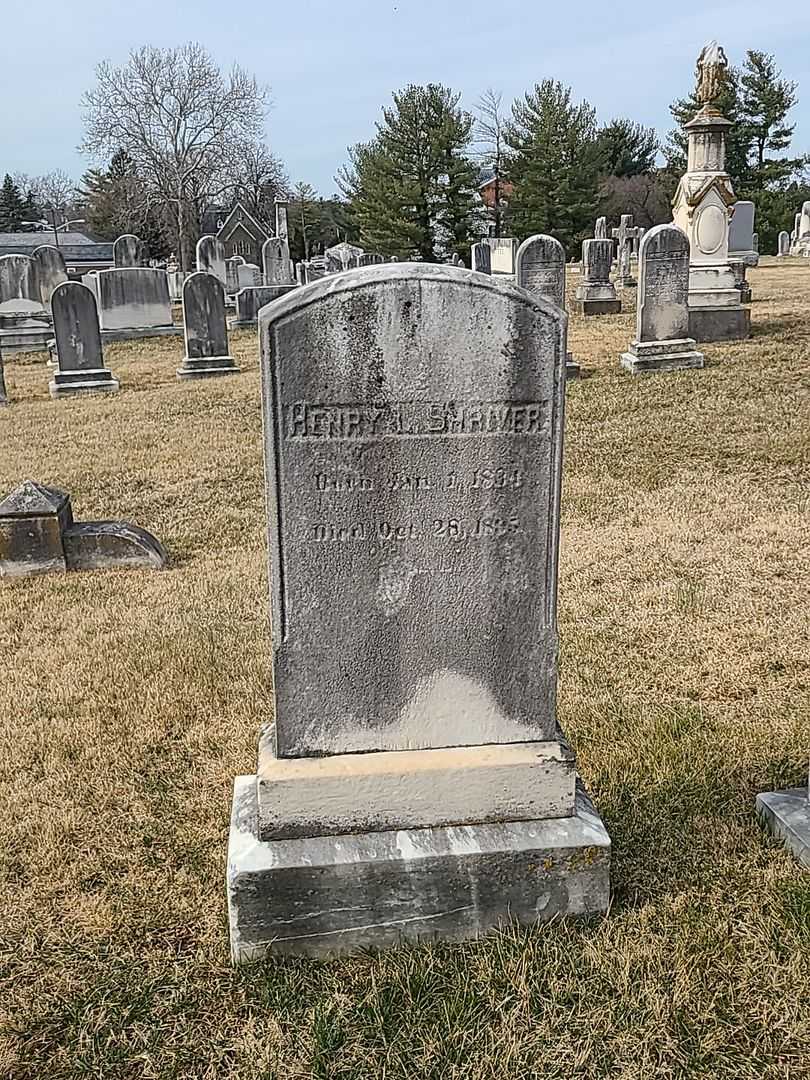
(130, 700)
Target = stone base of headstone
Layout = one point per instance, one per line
(746, 295)
(787, 815)
(719, 323)
(94, 381)
(661, 356)
(321, 897)
(140, 332)
(22, 333)
(598, 307)
(572, 368)
(207, 367)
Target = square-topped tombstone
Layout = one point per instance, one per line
(413, 423)
(249, 303)
(79, 353)
(205, 329)
(540, 270)
(662, 341)
(32, 520)
(134, 303)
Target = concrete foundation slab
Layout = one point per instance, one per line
(328, 896)
(787, 815)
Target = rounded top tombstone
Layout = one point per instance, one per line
(76, 327)
(413, 440)
(540, 268)
(127, 251)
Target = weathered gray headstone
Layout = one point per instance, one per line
(370, 258)
(341, 257)
(276, 262)
(741, 232)
(205, 329)
(51, 270)
(662, 341)
(211, 257)
(127, 252)
(301, 273)
(249, 303)
(481, 258)
(600, 230)
(79, 354)
(38, 536)
(783, 244)
(232, 275)
(626, 235)
(595, 293)
(282, 224)
(413, 438)
(540, 270)
(248, 276)
(134, 303)
(25, 324)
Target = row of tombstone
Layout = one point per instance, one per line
(79, 346)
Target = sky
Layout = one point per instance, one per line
(331, 66)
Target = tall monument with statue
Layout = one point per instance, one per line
(703, 209)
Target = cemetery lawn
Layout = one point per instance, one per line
(130, 700)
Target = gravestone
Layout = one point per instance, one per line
(206, 332)
(127, 252)
(626, 235)
(79, 355)
(39, 536)
(600, 230)
(662, 341)
(481, 258)
(341, 257)
(370, 258)
(211, 257)
(276, 262)
(232, 275)
(301, 273)
(415, 782)
(596, 294)
(51, 271)
(783, 244)
(456, 260)
(787, 815)
(503, 250)
(282, 224)
(249, 303)
(742, 251)
(134, 303)
(540, 270)
(25, 325)
(702, 208)
(248, 276)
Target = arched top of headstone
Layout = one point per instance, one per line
(540, 268)
(128, 251)
(76, 327)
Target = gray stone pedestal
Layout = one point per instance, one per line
(87, 381)
(207, 366)
(787, 815)
(661, 356)
(719, 323)
(324, 896)
(598, 306)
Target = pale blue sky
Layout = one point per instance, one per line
(331, 65)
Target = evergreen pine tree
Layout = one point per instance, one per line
(412, 189)
(627, 148)
(555, 164)
(13, 209)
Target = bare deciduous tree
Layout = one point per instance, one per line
(489, 136)
(256, 178)
(179, 118)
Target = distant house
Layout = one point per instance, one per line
(486, 191)
(240, 231)
(81, 252)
